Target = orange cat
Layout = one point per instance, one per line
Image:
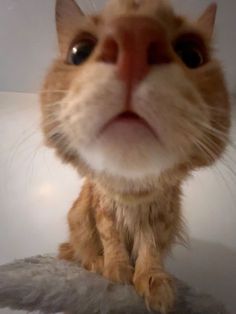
(135, 101)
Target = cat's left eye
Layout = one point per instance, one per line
(191, 53)
(81, 51)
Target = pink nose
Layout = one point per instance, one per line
(135, 45)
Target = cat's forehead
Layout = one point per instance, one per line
(144, 7)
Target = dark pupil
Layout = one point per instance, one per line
(190, 55)
(81, 52)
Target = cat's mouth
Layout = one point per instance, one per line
(129, 118)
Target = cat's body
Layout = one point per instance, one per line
(135, 102)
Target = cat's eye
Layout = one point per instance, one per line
(81, 51)
(191, 53)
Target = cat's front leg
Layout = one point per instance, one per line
(117, 266)
(151, 281)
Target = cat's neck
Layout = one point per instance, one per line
(162, 188)
(130, 198)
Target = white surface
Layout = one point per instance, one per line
(36, 191)
(28, 39)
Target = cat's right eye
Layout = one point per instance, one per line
(81, 51)
(191, 51)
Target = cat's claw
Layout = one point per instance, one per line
(157, 289)
(96, 266)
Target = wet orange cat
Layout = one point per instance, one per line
(135, 101)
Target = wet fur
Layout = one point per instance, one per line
(128, 214)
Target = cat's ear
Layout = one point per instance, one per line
(68, 19)
(206, 22)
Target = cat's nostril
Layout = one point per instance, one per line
(134, 45)
(110, 51)
(152, 54)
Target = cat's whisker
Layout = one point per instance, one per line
(210, 155)
(216, 109)
(53, 105)
(213, 131)
(204, 148)
(226, 159)
(210, 148)
(60, 141)
(53, 91)
(209, 129)
(31, 161)
(19, 144)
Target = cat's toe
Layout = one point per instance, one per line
(157, 289)
(96, 265)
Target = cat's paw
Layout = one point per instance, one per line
(157, 289)
(119, 272)
(95, 266)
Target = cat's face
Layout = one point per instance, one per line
(136, 91)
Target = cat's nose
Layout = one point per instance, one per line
(135, 45)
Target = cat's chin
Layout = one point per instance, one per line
(128, 150)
